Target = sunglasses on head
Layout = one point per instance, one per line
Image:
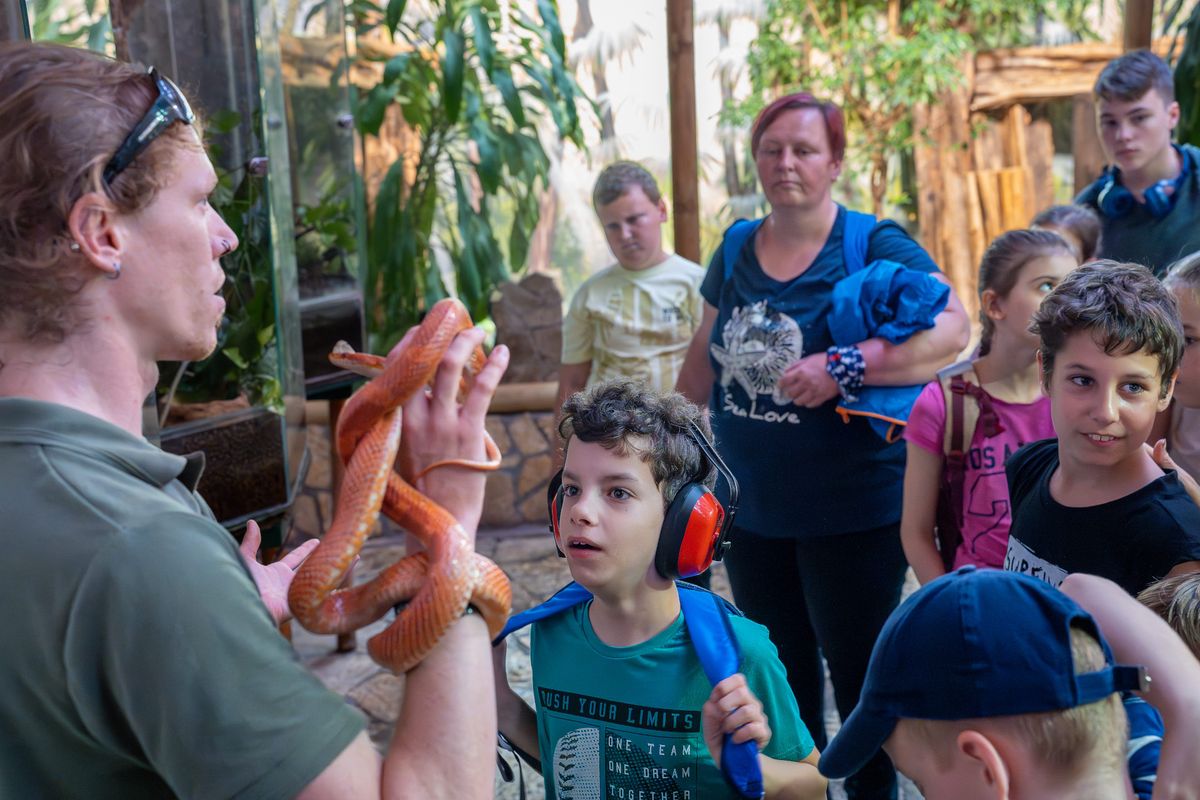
(169, 107)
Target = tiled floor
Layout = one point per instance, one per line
(535, 572)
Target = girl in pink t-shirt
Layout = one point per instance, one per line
(1017, 271)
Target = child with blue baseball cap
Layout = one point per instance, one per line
(992, 684)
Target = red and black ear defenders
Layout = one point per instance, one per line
(695, 529)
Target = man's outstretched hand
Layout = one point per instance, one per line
(273, 579)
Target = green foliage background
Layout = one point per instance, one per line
(845, 52)
(474, 85)
(1187, 79)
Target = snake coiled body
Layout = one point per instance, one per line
(437, 584)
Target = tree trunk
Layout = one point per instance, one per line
(681, 77)
(879, 177)
(1139, 24)
(120, 12)
(541, 243)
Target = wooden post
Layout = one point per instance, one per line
(1139, 20)
(975, 229)
(120, 13)
(1040, 143)
(681, 71)
(1085, 142)
(943, 162)
(990, 201)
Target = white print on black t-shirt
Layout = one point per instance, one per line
(1020, 558)
(760, 343)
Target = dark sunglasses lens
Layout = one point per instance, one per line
(169, 107)
(171, 93)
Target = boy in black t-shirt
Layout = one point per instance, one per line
(1094, 500)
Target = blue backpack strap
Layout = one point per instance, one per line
(570, 595)
(736, 236)
(707, 618)
(855, 239)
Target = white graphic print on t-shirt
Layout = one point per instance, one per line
(760, 343)
(1023, 560)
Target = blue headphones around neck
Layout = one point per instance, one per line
(1116, 201)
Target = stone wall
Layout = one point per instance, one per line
(516, 493)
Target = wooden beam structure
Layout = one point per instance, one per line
(681, 71)
(1139, 24)
(1036, 74)
(1085, 142)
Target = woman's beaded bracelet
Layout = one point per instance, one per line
(847, 368)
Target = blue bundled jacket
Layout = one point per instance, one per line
(883, 299)
(893, 302)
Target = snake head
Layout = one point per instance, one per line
(346, 357)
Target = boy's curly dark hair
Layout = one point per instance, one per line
(1123, 306)
(623, 416)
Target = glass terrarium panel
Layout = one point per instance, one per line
(325, 185)
(223, 54)
(287, 298)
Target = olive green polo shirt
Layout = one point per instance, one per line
(138, 659)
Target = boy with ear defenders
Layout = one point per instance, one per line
(623, 704)
(1148, 197)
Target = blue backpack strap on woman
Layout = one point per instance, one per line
(856, 237)
(706, 616)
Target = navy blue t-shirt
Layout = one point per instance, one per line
(803, 472)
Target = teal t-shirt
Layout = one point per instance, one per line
(624, 722)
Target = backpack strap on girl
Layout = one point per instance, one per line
(959, 381)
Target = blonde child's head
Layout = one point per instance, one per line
(983, 673)
(1177, 600)
(1064, 748)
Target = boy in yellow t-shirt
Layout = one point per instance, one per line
(636, 318)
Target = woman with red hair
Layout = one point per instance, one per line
(816, 553)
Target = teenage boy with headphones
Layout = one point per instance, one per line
(623, 706)
(1148, 197)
